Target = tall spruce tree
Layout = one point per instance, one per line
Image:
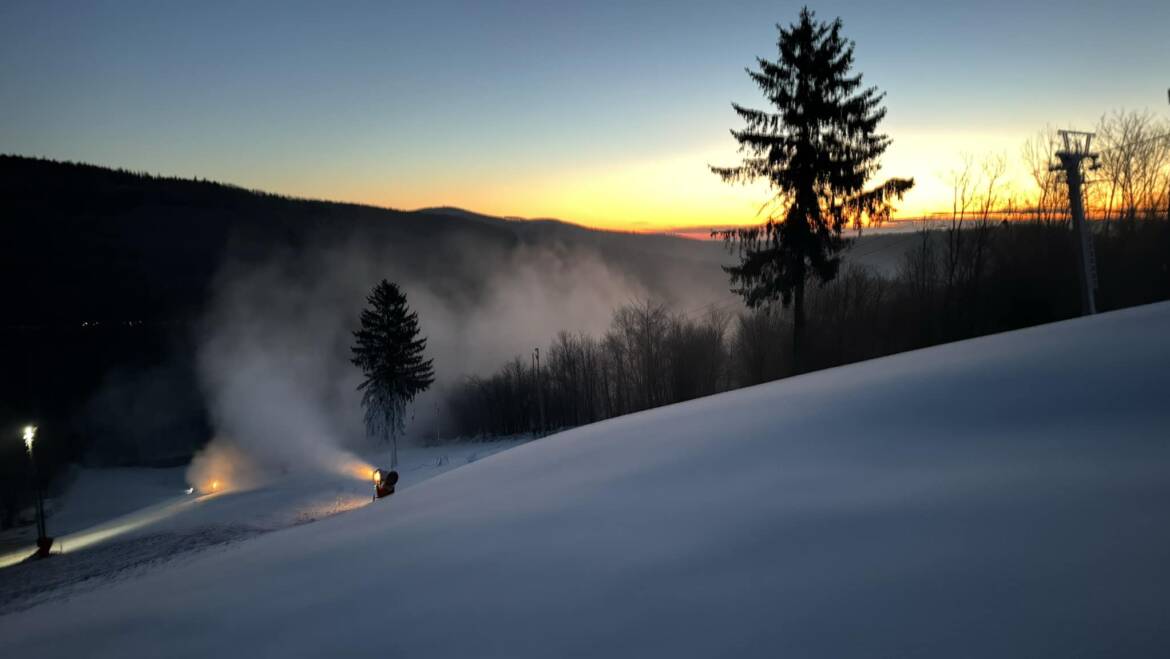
(389, 351)
(816, 151)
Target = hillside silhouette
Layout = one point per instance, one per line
(91, 243)
(106, 274)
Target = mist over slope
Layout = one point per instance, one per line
(164, 299)
(1002, 496)
(103, 244)
(146, 316)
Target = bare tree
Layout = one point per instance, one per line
(992, 169)
(919, 270)
(962, 188)
(756, 346)
(1135, 162)
(1049, 204)
(976, 189)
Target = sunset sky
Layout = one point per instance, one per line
(605, 114)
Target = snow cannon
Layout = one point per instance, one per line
(384, 481)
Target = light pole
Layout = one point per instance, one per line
(44, 542)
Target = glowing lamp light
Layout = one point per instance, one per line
(384, 482)
(30, 435)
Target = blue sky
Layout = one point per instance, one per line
(605, 113)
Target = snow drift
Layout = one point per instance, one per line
(1002, 497)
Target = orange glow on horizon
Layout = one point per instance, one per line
(674, 193)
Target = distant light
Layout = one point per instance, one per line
(214, 486)
(30, 434)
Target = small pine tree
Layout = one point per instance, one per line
(389, 351)
(817, 151)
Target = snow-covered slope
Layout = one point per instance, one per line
(1001, 497)
(120, 523)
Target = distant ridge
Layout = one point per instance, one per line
(86, 232)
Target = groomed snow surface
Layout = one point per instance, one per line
(120, 523)
(1000, 497)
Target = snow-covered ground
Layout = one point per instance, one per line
(117, 523)
(1000, 497)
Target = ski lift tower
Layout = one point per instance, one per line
(1075, 150)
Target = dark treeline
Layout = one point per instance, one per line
(964, 281)
(649, 357)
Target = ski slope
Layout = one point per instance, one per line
(118, 523)
(1000, 497)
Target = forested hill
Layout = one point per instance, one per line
(106, 275)
(83, 242)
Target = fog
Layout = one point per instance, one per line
(273, 356)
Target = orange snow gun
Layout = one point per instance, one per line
(384, 482)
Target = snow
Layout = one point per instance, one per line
(95, 497)
(1002, 497)
(115, 523)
